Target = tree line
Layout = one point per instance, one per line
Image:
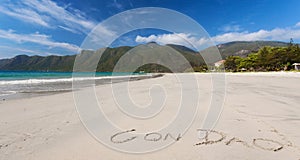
(266, 59)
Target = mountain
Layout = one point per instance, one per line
(106, 64)
(243, 48)
(37, 63)
(112, 55)
(181, 48)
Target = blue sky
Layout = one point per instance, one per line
(47, 27)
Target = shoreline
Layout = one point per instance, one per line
(67, 85)
(29, 94)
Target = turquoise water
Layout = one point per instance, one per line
(15, 75)
(20, 83)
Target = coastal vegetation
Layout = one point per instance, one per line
(266, 59)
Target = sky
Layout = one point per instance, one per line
(58, 27)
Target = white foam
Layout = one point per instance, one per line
(42, 81)
(6, 93)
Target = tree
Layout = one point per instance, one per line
(232, 62)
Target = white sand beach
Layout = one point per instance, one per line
(260, 120)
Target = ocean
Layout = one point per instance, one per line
(27, 84)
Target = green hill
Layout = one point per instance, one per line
(37, 63)
(106, 64)
(243, 48)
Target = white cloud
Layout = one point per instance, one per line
(231, 28)
(28, 51)
(68, 29)
(298, 24)
(25, 15)
(116, 4)
(37, 38)
(175, 38)
(277, 34)
(49, 14)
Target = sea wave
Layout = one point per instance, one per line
(7, 93)
(62, 80)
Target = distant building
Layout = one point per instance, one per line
(218, 66)
(243, 69)
(219, 63)
(297, 66)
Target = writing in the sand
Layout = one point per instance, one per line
(151, 137)
(211, 137)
